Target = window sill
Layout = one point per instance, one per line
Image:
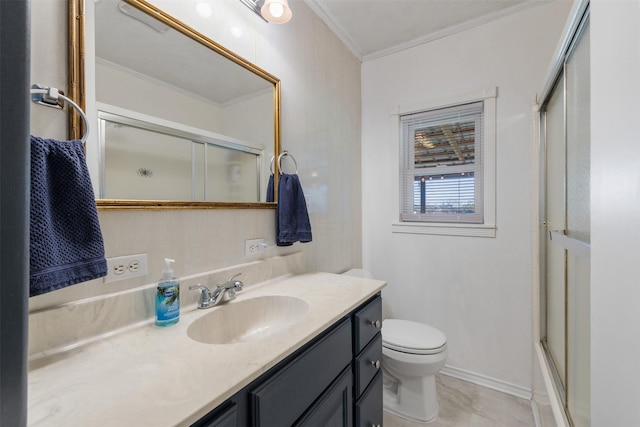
(465, 230)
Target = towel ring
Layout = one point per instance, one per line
(49, 96)
(286, 153)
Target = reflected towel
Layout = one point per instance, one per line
(292, 218)
(66, 245)
(270, 196)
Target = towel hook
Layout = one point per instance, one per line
(283, 154)
(50, 96)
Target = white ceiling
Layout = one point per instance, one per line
(373, 28)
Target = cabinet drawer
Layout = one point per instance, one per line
(368, 322)
(368, 364)
(284, 397)
(369, 407)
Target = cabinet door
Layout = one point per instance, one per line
(286, 395)
(369, 407)
(333, 408)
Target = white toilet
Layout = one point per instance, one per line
(412, 353)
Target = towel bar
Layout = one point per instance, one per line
(284, 153)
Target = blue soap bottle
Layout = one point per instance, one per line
(167, 297)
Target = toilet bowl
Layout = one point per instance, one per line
(412, 353)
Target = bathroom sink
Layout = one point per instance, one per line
(248, 320)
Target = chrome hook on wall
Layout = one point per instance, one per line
(51, 97)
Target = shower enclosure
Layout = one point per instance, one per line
(565, 227)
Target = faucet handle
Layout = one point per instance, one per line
(237, 284)
(200, 287)
(205, 293)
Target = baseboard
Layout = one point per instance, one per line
(541, 398)
(488, 382)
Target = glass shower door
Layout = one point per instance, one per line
(566, 242)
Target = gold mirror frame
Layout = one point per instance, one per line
(77, 93)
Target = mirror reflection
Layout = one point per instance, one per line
(178, 119)
(152, 160)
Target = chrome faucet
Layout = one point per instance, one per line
(210, 299)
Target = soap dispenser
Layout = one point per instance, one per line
(167, 297)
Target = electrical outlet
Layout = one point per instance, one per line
(134, 266)
(126, 267)
(253, 246)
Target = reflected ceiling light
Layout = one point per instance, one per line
(236, 31)
(204, 9)
(276, 11)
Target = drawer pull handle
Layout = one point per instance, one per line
(376, 364)
(375, 425)
(376, 324)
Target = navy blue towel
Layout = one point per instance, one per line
(66, 244)
(292, 218)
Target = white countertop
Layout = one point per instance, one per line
(160, 377)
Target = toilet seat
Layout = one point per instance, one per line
(412, 337)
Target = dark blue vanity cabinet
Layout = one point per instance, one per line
(335, 380)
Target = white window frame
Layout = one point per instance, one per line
(488, 227)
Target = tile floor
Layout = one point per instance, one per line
(463, 404)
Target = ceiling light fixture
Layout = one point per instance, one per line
(274, 11)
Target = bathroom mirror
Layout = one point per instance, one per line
(174, 107)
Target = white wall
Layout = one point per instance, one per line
(320, 81)
(476, 290)
(615, 213)
(48, 68)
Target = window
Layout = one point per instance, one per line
(442, 165)
(446, 167)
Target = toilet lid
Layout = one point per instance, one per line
(412, 337)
